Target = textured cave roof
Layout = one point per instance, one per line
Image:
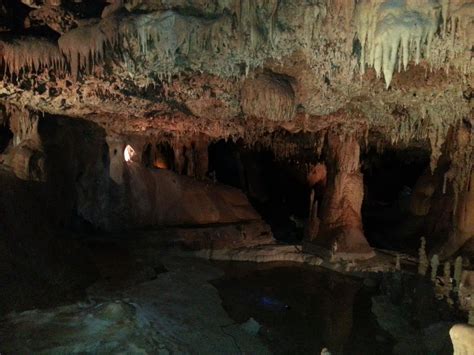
(240, 68)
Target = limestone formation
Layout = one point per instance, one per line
(434, 267)
(161, 197)
(393, 33)
(422, 258)
(462, 337)
(212, 128)
(420, 201)
(269, 96)
(341, 228)
(457, 273)
(21, 55)
(471, 312)
(447, 282)
(317, 179)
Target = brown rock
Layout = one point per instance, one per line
(341, 224)
(270, 97)
(161, 197)
(420, 201)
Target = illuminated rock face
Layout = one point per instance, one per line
(258, 72)
(221, 36)
(392, 33)
(341, 229)
(160, 197)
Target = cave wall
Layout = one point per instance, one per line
(89, 181)
(390, 72)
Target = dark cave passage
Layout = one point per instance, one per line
(389, 181)
(277, 189)
(6, 135)
(237, 177)
(158, 156)
(114, 216)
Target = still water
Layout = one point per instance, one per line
(303, 310)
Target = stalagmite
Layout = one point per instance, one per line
(447, 282)
(117, 121)
(420, 199)
(457, 273)
(434, 267)
(202, 158)
(341, 228)
(423, 258)
(179, 159)
(462, 229)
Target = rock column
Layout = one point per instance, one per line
(341, 230)
(463, 229)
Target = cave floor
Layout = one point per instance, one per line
(151, 300)
(174, 311)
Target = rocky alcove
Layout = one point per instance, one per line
(212, 175)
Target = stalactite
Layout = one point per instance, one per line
(311, 24)
(29, 55)
(84, 47)
(395, 32)
(165, 36)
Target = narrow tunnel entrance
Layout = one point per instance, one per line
(277, 189)
(6, 135)
(389, 180)
(159, 156)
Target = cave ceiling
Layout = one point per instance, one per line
(400, 70)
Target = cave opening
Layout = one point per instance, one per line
(158, 156)
(276, 188)
(389, 181)
(6, 136)
(236, 177)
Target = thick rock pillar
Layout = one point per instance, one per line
(179, 159)
(202, 158)
(463, 225)
(317, 179)
(341, 230)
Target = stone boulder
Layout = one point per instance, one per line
(159, 197)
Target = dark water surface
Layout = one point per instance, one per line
(303, 310)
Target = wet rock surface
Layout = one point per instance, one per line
(133, 128)
(176, 312)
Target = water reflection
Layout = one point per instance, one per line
(302, 310)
